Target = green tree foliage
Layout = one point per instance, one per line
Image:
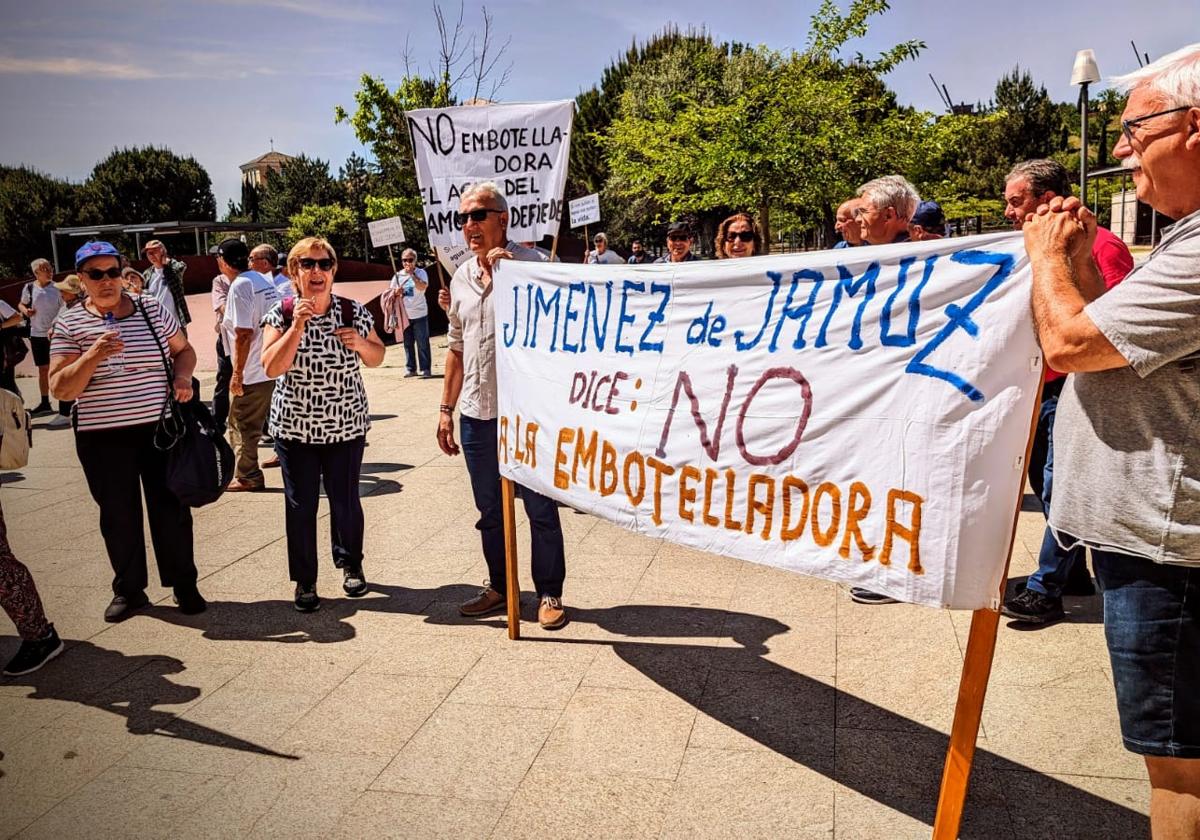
(31, 205)
(334, 222)
(148, 184)
(707, 129)
(300, 182)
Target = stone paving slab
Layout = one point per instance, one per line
(690, 696)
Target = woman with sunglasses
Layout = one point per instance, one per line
(737, 237)
(107, 354)
(313, 344)
(410, 283)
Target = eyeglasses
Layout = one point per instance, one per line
(259, 258)
(324, 263)
(113, 273)
(1127, 126)
(477, 215)
(744, 235)
(407, 259)
(678, 237)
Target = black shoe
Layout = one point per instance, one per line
(190, 601)
(409, 374)
(120, 607)
(32, 655)
(43, 407)
(306, 597)
(865, 596)
(1033, 607)
(427, 376)
(354, 583)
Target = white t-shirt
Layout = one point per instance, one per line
(6, 311)
(46, 301)
(414, 300)
(609, 257)
(250, 298)
(283, 285)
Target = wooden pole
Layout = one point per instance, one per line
(437, 259)
(513, 588)
(391, 257)
(972, 686)
(586, 242)
(554, 247)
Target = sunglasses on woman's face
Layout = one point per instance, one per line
(477, 215)
(744, 235)
(309, 263)
(113, 273)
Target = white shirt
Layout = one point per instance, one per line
(46, 301)
(609, 257)
(250, 298)
(415, 303)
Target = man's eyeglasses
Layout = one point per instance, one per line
(113, 273)
(1127, 126)
(744, 235)
(407, 259)
(324, 263)
(477, 215)
(678, 237)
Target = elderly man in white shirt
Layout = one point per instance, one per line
(470, 385)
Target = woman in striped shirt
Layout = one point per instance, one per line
(107, 355)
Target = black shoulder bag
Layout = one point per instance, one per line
(199, 459)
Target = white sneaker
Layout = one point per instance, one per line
(59, 421)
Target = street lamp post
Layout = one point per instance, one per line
(1084, 73)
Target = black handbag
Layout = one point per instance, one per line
(199, 459)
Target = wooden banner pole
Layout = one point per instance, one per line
(972, 686)
(586, 242)
(513, 588)
(554, 248)
(392, 257)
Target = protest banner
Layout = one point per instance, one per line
(523, 147)
(585, 211)
(385, 232)
(860, 415)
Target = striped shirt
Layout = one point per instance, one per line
(127, 397)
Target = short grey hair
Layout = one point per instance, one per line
(600, 237)
(406, 252)
(1044, 175)
(892, 191)
(266, 249)
(486, 188)
(37, 264)
(1176, 76)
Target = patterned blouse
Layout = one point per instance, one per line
(321, 399)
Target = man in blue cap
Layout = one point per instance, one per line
(929, 222)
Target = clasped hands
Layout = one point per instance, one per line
(1062, 227)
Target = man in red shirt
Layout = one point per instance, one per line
(1059, 572)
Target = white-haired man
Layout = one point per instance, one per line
(1127, 477)
(888, 204)
(470, 385)
(846, 223)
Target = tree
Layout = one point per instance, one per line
(148, 184)
(330, 221)
(31, 205)
(299, 182)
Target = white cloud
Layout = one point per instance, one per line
(76, 67)
(346, 12)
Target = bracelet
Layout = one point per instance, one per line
(446, 409)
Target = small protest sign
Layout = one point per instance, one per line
(522, 147)
(858, 415)
(386, 232)
(585, 211)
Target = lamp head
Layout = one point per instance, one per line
(1085, 70)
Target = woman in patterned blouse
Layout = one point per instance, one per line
(313, 344)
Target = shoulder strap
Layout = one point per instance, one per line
(167, 366)
(345, 312)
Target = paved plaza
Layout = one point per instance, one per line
(691, 695)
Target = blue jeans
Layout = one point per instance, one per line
(1152, 626)
(417, 334)
(1054, 563)
(549, 565)
(306, 467)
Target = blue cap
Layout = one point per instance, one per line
(929, 215)
(95, 249)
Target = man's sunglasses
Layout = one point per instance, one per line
(113, 273)
(1127, 126)
(678, 237)
(407, 259)
(477, 215)
(325, 263)
(744, 235)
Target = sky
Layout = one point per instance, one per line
(219, 80)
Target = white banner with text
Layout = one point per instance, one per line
(860, 415)
(523, 147)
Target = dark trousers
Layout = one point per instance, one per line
(549, 565)
(1056, 565)
(305, 467)
(119, 465)
(220, 402)
(416, 336)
